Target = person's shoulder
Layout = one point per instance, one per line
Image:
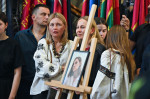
(12, 41)
(42, 41)
(142, 26)
(70, 41)
(100, 47)
(22, 33)
(105, 53)
(147, 51)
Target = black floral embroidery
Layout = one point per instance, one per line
(37, 56)
(40, 64)
(51, 68)
(40, 46)
(46, 76)
(37, 70)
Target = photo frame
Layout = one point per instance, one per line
(75, 68)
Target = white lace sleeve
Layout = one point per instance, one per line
(44, 68)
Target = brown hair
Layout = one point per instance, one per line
(64, 39)
(99, 20)
(3, 17)
(96, 33)
(117, 39)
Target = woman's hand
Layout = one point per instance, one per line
(77, 92)
(125, 22)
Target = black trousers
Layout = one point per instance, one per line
(43, 95)
(24, 90)
(52, 94)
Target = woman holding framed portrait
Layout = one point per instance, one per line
(51, 56)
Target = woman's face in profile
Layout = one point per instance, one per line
(76, 65)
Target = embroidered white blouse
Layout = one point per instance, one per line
(43, 66)
(101, 86)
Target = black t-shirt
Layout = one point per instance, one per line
(141, 37)
(10, 58)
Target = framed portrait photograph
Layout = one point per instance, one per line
(75, 68)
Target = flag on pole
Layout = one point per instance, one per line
(25, 14)
(116, 12)
(109, 13)
(103, 9)
(60, 6)
(135, 15)
(142, 13)
(85, 8)
(64, 8)
(57, 6)
(28, 5)
(98, 8)
(147, 2)
(91, 2)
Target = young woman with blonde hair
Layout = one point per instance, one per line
(100, 47)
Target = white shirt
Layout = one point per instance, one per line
(101, 86)
(42, 65)
(71, 82)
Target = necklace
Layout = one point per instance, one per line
(57, 55)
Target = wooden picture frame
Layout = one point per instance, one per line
(75, 68)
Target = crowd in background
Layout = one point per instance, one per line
(40, 53)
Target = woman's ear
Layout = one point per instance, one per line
(6, 25)
(92, 30)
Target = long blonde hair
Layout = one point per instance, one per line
(64, 38)
(117, 39)
(96, 32)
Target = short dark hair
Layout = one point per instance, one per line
(37, 7)
(99, 20)
(3, 17)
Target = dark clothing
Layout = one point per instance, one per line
(24, 90)
(10, 59)
(141, 37)
(95, 66)
(42, 95)
(52, 94)
(145, 60)
(28, 45)
(96, 62)
(140, 88)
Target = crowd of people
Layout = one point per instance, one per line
(40, 53)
